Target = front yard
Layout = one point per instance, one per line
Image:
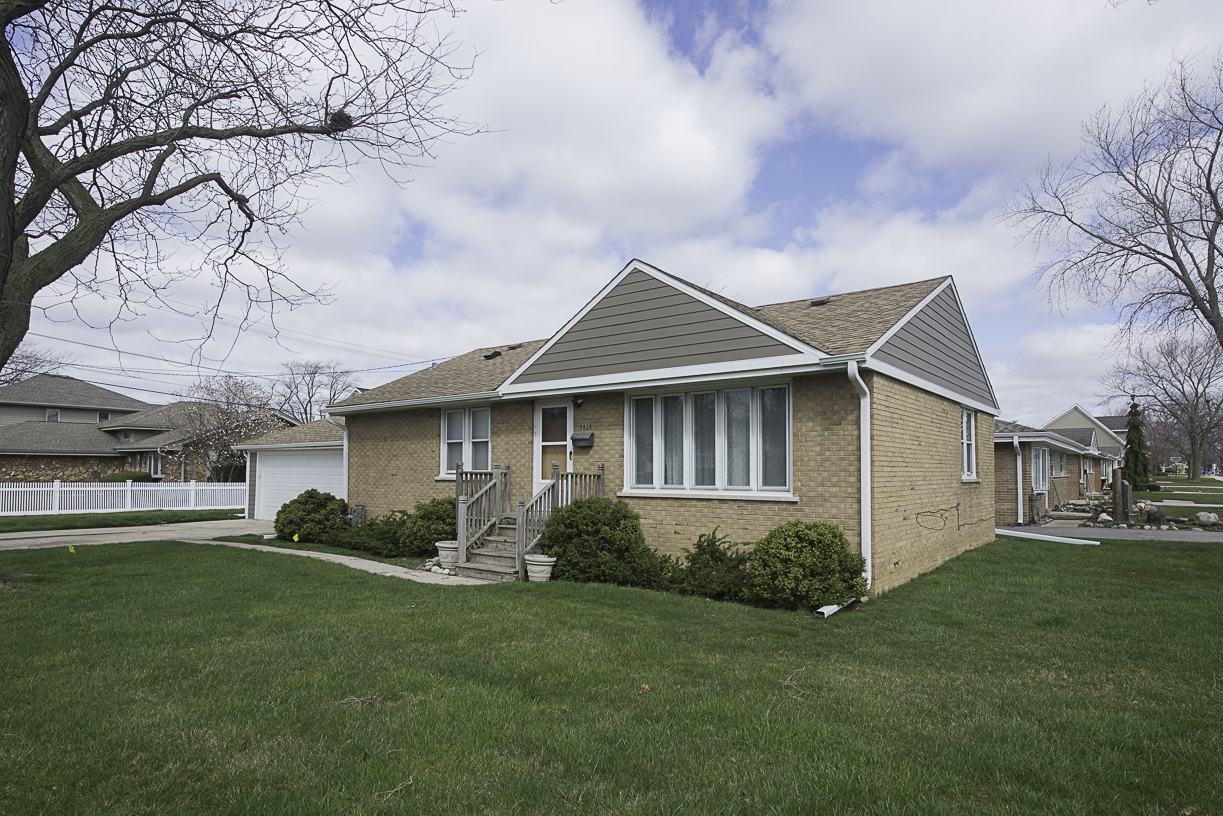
(1024, 677)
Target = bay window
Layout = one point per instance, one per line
(466, 438)
(735, 439)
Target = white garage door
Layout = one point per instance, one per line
(282, 475)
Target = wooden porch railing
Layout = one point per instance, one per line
(561, 490)
(479, 511)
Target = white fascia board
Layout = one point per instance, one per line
(1043, 437)
(289, 446)
(636, 265)
(344, 410)
(934, 388)
(1097, 424)
(887, 335)
(660, 377)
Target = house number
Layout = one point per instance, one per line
(585, 426)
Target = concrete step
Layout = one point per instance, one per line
(487, 572)
(489, 555)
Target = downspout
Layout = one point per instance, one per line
(864, 463)
(246, 511)
(1018, 478)
(343, 428)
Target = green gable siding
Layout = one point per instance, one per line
(644, 324)
(936, 345)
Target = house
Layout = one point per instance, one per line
(1104, 438)
(282, 464)
(862, 409)
(1037, 469)
(81, 432)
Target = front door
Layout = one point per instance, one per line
(553, 427)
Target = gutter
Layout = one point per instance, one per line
(864, 463)
(344, 428)
(344, 410)
(1018, 478)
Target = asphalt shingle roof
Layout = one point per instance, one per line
(56, 438)
(1082, 436)
(157, 417)
(467, 374)
(1003, 427)
(1113, 423)
(57, 391)
(318, 431)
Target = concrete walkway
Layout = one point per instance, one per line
(203, 532)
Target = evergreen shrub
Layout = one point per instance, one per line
(312, 516)
(599, 540)
(804, 564)
(133, 475)
(431, 522)
(712, 569)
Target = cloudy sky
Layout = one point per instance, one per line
(767, 150)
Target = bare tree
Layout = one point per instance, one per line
(1134, 220)
(130, 126)
(307, 386)
(1180, 381)
(220, 412)
(29, 360)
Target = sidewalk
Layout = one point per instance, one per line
(203, 532)
(1072, 530)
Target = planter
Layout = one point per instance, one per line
(539, 567)
(448, 552)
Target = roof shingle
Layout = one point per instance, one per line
(57, 391)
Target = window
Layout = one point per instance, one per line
(1059, 464)
(103, 416)
(968, 443)
(735, 439)
(52, 415)
(1040, 470)
(466, 435)
(153, 464)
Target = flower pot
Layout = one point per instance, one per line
(448, 551)
(539, 567)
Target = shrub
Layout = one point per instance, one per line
(312, 516)
(432, 521)
(1153, 488)
(600, 541)
(134, 475)
(804, 564)
(711, 569)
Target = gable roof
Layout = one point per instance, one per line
(58, 391)
(467, 375)
(647, 327)
(56, 438)
(1113, 423)
(320, 432)
(1077, 417)
(1005, 431)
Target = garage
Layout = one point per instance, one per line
(286, 462)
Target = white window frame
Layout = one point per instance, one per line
(719, 489)
(1058, 464)
(156, 465)
(466, 459)
(1041, 467)
(968, 445)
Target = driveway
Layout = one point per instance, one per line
(203, 532)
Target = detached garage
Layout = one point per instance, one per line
(282, 464)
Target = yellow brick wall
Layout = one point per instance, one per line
(923, 513)
(1004, 482)
(393, 460)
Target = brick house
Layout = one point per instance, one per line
(55, 427)
(862, 409)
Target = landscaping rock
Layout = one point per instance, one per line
(1163, 527)
(1104, 518)
(1206, 518)
(1123, 526)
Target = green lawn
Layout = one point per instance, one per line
(280, 543)
(84, 521)
(1023, 677)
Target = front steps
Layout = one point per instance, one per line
(494, 561)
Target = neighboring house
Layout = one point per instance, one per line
(1036, 469)
(1106, 440)
(862, 409)
(282, 464)
(93, 434)
(54, 398)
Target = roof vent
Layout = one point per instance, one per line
(488, 355)
(514, 347)
(820, 301)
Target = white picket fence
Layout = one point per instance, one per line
(42, 498)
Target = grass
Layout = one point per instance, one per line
(84, 521)
(409, 561)
(1023, 677)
